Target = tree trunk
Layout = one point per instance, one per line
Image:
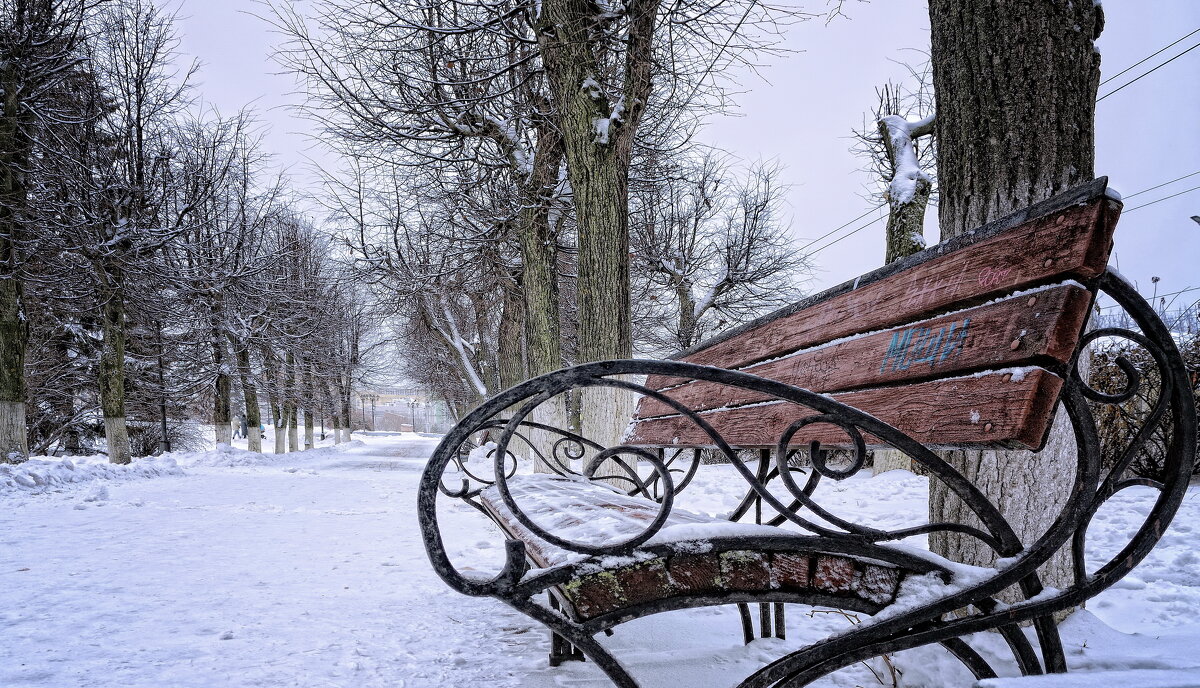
(250, 397)
(279, 427)
(510, 357)
(112, 375)
(539, 257)
(598, 130)
(289, 403)
(347, 417)
(1015, 86)
(222, 393)
(293, 428)
(274, 397)
(14, 157)
(687, 313)
(13, 438)
(906, 224)
(308, 428)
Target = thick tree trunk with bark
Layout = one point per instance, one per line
(539, 257)
(222, 395)
(347, 418)
(223, 408)
(13, 438)
(14, 157)
(598, 129)
(289, 403)
(687, 313)
(510, 355)
(1015, 86)
(112, 374)
(906, 222)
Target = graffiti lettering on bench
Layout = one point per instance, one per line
(924, 345)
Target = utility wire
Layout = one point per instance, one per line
(859, 229)
(1153, 54)
(1138, 193)
(845, 236)
(1130, 210)
(1154, 296)
(1148, 72)
(842, 227)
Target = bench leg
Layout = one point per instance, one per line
(561, 649)
(771, 621)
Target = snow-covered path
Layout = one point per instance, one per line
(238, 577)
(308, 570)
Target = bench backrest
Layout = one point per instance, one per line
(961, 344)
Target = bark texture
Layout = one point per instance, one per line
(905, 223)
(510, 356)
(223, 408)
(13, 336)
(16, 147)
(601, 97)
(539, 257)
(1015, 87)
(112, 377)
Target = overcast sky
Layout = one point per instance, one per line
(801, 110)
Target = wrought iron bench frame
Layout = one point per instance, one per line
(961, 611)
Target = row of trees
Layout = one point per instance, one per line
(519, 183)
(151, 263)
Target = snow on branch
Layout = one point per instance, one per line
(899, 135)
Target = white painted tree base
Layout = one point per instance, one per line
(605, 416)
(890, 460)
(14, 444)
(223, 432)
(116, 434)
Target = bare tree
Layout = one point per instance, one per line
(901, 161)
(135, 47)
(39, 51)
(711, 249)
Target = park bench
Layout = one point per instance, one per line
(973, 343)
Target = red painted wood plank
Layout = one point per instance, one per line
(1071, 243)
(1019, 331)
(988, 410)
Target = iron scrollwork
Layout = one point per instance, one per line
(498, 433)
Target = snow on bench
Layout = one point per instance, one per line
(973, 343)
(692, 559)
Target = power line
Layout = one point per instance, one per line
(845, 236)
(1130, 210)
(1138, 193)
(859, 229)
(842, 227)
(1148, 72)
(1153, 54)
(1154, 296)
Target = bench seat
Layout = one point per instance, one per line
(977, 343)
(693, 555)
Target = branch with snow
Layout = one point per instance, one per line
(899, 136)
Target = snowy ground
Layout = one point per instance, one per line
(229, 569)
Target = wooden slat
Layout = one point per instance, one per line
(1024, 330)
(1072, 242)
(986, 410)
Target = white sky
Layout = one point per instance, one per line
(803, 112)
